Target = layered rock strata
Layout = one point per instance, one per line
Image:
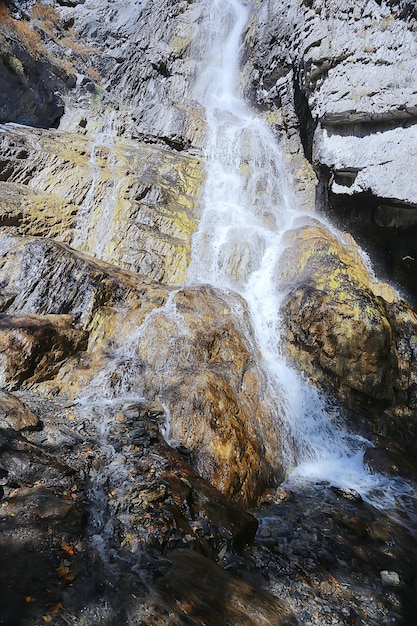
(340, 78)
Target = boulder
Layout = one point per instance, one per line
(354, 337)
(199, 359)
(337, 325)
(33, 347)
(195, 355)
(15, 414)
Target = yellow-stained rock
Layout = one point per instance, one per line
(131, 204)
(334, 320)
(190, 349)
(199, 361)
(194, 356)
(37, 213)
(353, 337)
(343, 328)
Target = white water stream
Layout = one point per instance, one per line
(93, 231)
(248, 205)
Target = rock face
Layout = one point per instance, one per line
(351, 334)
(122, 201)
(341, 77)
(36, 78)
(194, 355)
(104, 346)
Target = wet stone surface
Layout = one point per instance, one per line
(93, 502)
(102, 522)
(324, 551)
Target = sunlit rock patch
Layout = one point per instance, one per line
(351, 334)
(125, 202)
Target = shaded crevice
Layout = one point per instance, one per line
(6, 171)
(406, 9)
(161, 68)
(386, 228)
(307, 123)
(345, 177)
(11, 220)
(178, 144)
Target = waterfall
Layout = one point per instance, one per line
(247, 206)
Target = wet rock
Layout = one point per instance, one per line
(380, 461)
(14, 414)
(65, 282)
(108, 513)
(319, 554)
(349, 494)
(32, 347)
(351, 335)
(228, 389)
(123, 201)
(200, 362)
(40, 521)
(335, 319)
(200, 591)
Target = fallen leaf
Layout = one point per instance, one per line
(56, 607)
(67, 548)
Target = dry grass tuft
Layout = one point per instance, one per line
(21, 30)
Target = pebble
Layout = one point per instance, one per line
(389, 579)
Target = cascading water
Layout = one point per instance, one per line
(92, 232)
(248, 206)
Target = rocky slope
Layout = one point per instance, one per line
(103, 347)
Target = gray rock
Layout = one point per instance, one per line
(389, 579)
(355, 69)
(340, 78)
